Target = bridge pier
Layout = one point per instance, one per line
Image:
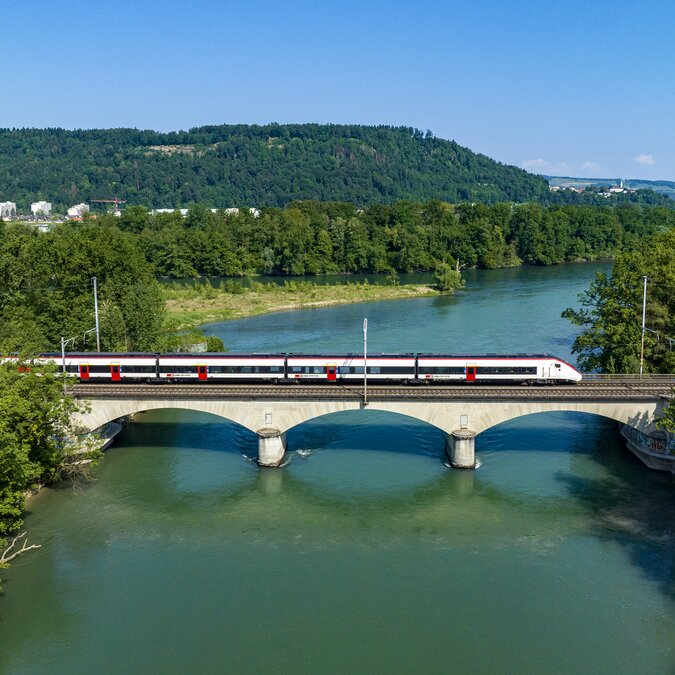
(271, 446)
(460, 448)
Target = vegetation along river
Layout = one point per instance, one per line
(365, 553)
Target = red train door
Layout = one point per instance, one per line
(331, 372)
(84, 371)
(470, 373)
(115, 372)
(201, 371)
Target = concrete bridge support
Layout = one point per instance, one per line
(271, 446)
(460, 448)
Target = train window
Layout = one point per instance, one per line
(505, 370)
(441, 370)
(318, 369)
(375, 370)
(104, 369)
(139, 369)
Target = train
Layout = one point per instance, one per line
(316, 368)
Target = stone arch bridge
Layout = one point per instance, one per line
(461, 412)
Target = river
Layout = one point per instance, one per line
(365, 553)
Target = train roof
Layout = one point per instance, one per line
(192, 355)
(491, 355)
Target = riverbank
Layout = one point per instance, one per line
(196, 304)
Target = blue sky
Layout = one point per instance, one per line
(571, 88)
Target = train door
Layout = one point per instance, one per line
(202, 371)
(331, 372)
(84, 371)
(115, 372)
(470, 372)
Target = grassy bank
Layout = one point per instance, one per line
(192, 305)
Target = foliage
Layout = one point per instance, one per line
(667, 421)
(611, 312)
(46, 290)
(447, 278)
(324, 238)
(239, 165)
(38, 442)
(214, 344)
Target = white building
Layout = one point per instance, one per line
(7, 210)
(41, 208)
(78, 210)
(183, 212)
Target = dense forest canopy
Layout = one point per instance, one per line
(250, 165)
(317, 238)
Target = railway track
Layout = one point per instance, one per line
(592, 390)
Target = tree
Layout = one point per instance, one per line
(611, 309)
(38, 439)
(667, 421)
(214, 344)
(448, 278)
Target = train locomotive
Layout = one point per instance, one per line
(317, 368)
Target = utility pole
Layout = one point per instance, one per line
(63, 363)
(365, 362)
(98, 335)
(644, 313)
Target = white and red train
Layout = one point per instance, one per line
(316, 368)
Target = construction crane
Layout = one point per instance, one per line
(114, 201)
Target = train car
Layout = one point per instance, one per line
(316, 368)
(349, 367)
(221, 367)
(495, 368)
(107, 367)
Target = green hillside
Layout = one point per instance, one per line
(246, 165)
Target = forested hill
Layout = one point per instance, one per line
(248, 165)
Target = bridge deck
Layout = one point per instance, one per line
(594, 390)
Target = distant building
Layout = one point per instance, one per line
(78, 210)
(233, 211)
(7, 210)
(183, 212)
(41, 208)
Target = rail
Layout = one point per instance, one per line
(610, 390)
(656, 377)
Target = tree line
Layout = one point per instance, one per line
(318, 238)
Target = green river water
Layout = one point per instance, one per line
(365, 553)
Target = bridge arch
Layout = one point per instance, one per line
(482, 415)
(251, 414)
(477, 415)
